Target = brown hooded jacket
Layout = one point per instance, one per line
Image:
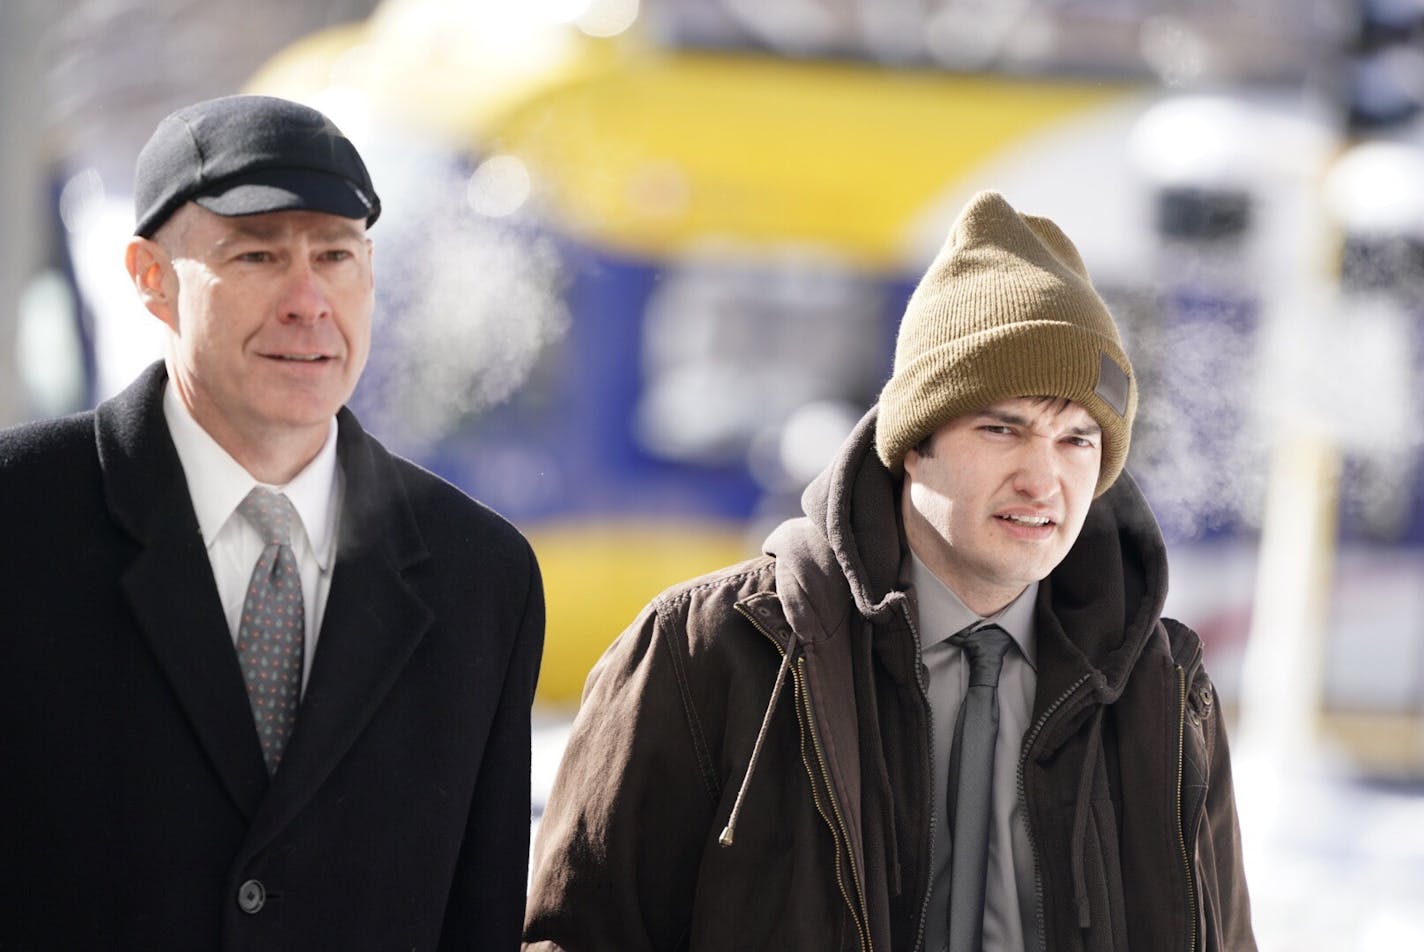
(1124, 773)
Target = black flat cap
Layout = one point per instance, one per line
(244, 155)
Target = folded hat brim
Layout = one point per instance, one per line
(275, 190)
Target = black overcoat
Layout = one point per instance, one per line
(135, 810)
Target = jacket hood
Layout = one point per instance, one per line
(847, 544)
(1108, 591)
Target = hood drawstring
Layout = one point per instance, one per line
(727, 833)
(1080, 817)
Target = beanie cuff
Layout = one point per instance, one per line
(1027, 359)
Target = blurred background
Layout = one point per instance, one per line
(641, 266)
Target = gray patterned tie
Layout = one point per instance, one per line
(270, 635)
(971, 784)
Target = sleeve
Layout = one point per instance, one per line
(618, 849)
(488, 888)
(1223, 886)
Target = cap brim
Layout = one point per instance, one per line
(277, 190)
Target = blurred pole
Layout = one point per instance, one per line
(1282, 671)
(1282, 688)
(22, 180)
(1282, 678)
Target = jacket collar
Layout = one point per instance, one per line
(373, 621)
(1102, 603)
(847, 544)
(169, 583)
(217, 483)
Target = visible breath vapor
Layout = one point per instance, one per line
(1223, 381)
(465, 314)
(1198, 446)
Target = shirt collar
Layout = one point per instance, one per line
(942, 613)
(217, 483)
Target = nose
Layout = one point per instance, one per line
(305, 300)
(1036, 477)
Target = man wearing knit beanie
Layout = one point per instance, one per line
(1006, 310)
(942, 711)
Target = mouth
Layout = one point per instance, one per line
(1032, 522)
(299, 358)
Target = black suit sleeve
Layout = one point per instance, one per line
(487, 893)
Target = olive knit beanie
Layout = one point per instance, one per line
(1006, 310)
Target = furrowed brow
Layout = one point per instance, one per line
(1004, 417)
(1013, 419)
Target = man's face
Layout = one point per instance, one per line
(998, 497)
(271, 316)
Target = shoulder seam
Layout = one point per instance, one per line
(684, 593)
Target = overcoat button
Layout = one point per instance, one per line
(251, 897)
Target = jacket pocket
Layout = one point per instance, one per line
(1198, 738)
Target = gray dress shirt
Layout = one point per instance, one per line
(1010, 916)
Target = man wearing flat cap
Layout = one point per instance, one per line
(942, 711)
(267, 686)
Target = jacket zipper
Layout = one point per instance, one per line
(1029, 739)
(839, 832)
(860, 927)
(929, 778)
(1181, 828)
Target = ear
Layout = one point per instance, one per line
(911, 462)
(151, 270)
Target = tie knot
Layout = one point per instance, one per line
(271, 514)
(986, 648)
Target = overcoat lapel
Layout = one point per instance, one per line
(170, 584)
(373, 621)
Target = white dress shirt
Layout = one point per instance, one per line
(1010, 894)
(217, 483)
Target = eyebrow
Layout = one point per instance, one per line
(338, 230)
(266, 231)
(1013, 419)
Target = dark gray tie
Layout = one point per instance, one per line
(272, 630)
(970, 801)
